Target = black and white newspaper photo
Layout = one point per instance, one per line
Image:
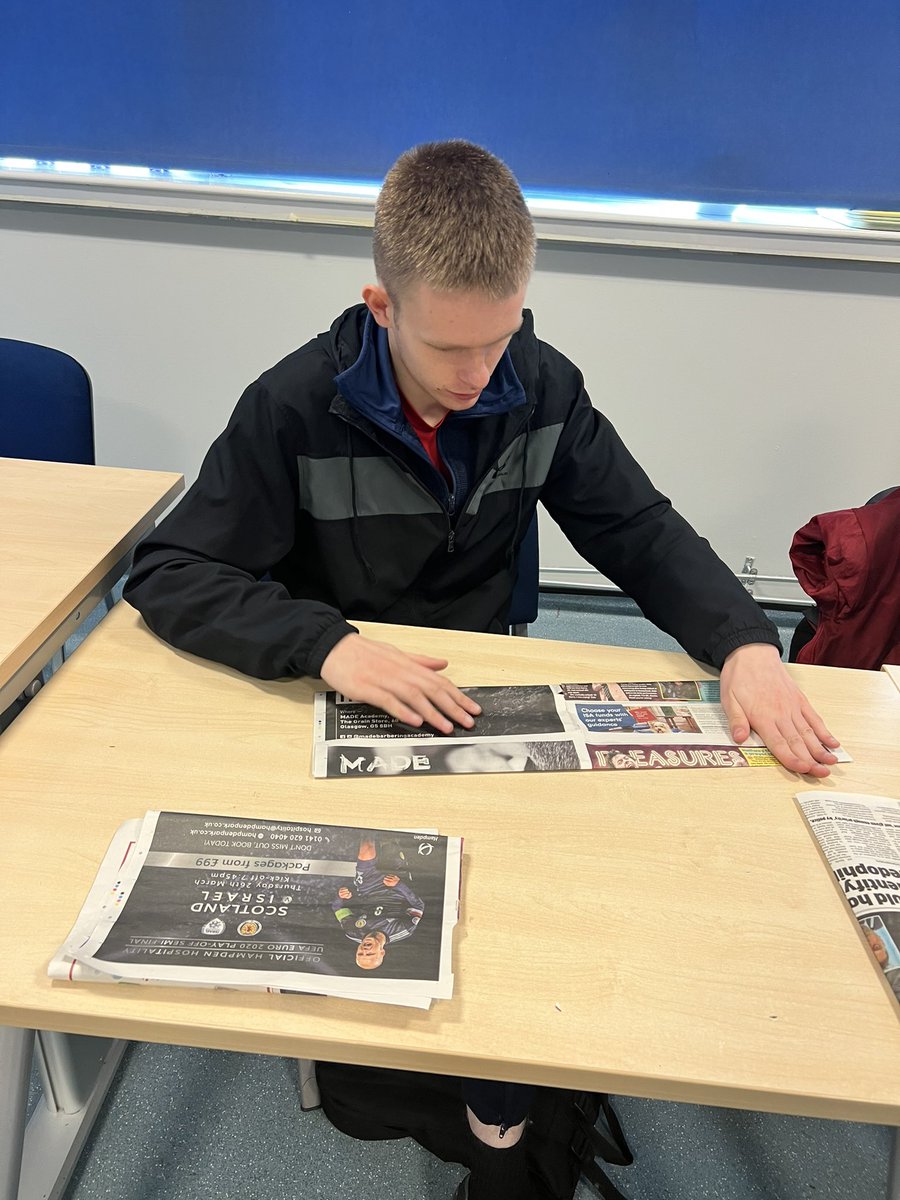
(860, 839)
(540, 727)
(232, 902)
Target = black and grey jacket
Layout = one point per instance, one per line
(317, 506)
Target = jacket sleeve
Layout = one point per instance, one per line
(613, 516)
(196, 579)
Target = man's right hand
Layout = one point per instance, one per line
(407, 686)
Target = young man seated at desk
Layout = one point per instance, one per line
(388, 470)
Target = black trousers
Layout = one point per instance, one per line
(496, 1103)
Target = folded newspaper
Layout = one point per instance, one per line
(541, 727)
(204, 901)
(860, 839)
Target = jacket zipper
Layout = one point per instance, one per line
(451, 532)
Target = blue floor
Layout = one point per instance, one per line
(191, 1124)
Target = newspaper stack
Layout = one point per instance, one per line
(675, 723)
(860, 839)
(203, 901)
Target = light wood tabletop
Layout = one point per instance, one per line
(64, 528)
(892, 672)
(671, 934)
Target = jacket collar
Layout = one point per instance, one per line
(370, 388)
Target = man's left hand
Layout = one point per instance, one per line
(758, 694)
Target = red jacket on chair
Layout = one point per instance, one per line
(849, 563)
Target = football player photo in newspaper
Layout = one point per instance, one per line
(379, 908)
(314, 899)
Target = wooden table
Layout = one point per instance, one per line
(65, 535)
(669, 933)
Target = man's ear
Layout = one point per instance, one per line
(379, 304)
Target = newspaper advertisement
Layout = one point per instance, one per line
(540, 727)
(202, 900)
(860, 838)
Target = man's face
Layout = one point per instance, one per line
(476, 759)
(445, 345)
(621, 761)
(877, 945)
(370, 952)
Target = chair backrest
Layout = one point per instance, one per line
(881, 495)
(523, 608)
(867, 633)
(45, 404)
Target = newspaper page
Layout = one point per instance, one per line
(540, 727)
(860, 838)
(200, 900)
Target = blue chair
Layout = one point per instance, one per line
(523, 607)
(46, 409)
(46, 413)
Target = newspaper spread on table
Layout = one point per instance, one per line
(860, 838)
(541, 727)
(214, 901)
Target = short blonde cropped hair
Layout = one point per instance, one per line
(452, 216)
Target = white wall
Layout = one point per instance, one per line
(755, 391)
